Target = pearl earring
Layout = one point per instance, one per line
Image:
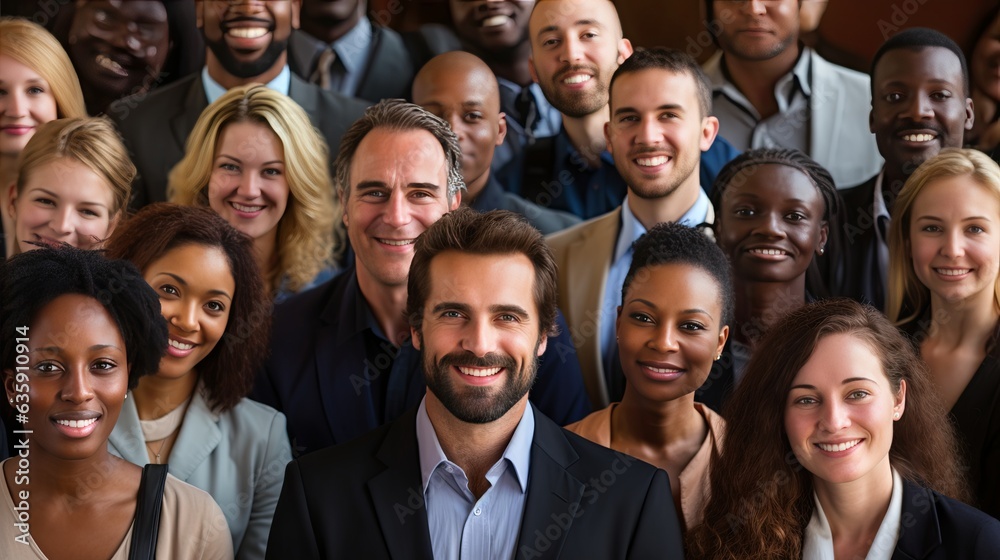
(895, 416)
(821, 250)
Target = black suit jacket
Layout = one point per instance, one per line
(364, 499)
(863, 278)
(155, 126)
(935, 527)
(390, 69)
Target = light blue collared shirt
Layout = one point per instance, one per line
(281, 83)
(632, 230)
(461, 527)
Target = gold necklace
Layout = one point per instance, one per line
(162, 443)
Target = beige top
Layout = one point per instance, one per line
(192, 527)
(694, 488)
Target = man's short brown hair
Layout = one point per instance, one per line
(497, 232)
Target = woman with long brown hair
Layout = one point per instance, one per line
(836, 449)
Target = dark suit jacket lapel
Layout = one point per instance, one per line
(344, 397)
(182, 123)
(397, 493)
(307, 96)
(551, 491)
(388, 67)
(303, 52)
(920, 531)
(861, 242)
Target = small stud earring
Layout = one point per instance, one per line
(719, 357)
(821, 251)
(895, 416)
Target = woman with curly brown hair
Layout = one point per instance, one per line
(192, 412)
(836, 449)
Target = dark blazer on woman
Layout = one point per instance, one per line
(976, 417)
(936, 527)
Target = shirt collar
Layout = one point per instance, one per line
(698, 211)
(213, 90)
(718, 76)
(879, 207)
(801, 70)
(517, 453)
(817, 542)
(352, 48)
(355, 315)
(632, 230)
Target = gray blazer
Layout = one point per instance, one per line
(238, 457)
(839, 136)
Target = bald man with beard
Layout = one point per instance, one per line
(461, 89)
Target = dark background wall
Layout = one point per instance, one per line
(849, 33)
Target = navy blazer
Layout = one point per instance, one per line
(936, 527)
(318, 373)
(365, 500)
(155, 126)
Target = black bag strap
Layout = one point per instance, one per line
(147, 513)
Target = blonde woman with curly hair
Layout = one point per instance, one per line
(944, 290)
(37, 85)
(255, 158)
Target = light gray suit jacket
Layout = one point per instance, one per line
(583, 254)
(238, 456)
(839, 136)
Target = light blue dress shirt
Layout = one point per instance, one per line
(632, 230)
(462, 527)
(213, 90)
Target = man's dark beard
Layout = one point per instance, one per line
(244, 70)
(479, 405)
